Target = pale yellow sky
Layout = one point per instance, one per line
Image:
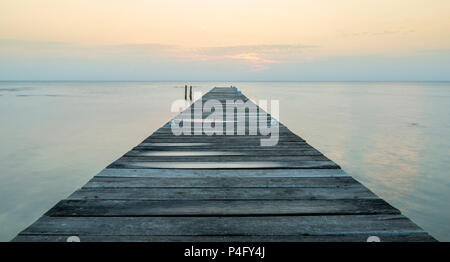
(341, 26)
(329, 27)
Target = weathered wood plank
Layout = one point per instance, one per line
(283, 135)
(224, 158)
(223, 144)
(223, 173)
(212, 152)
(231, 193)
(227, 165)
(209, 147)
(223, 226)
(222, 182)
(255, 141)
(253, 133)
(139, 208)
(220, 146)
(385, 237)
(216, 139)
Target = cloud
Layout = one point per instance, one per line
(379, 33)
(22, 60)
(265, 49)
(254, 60)
(252, 57)
(257, 57)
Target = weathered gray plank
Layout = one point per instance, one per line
(138, 208)
(246, 150)
(186, 193)
(223, 158)
(212, 152)
(225, 173)
(219, 147)
(385, 237)
(217, 139)
(223, 226)
(227, 165)
(245, 182)
(255, 145)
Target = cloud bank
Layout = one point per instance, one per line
(30, 60)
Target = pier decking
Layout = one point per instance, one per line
(223, 188)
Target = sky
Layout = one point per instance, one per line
(250, 40)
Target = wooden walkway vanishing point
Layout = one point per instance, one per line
(223, 188)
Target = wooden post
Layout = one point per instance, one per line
(185, 92)
(190, 93)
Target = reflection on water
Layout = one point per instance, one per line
(392, 137)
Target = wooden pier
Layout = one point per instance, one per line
(223, 188)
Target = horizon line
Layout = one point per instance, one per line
(234, 80)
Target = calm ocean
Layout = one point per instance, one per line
(392, 137)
